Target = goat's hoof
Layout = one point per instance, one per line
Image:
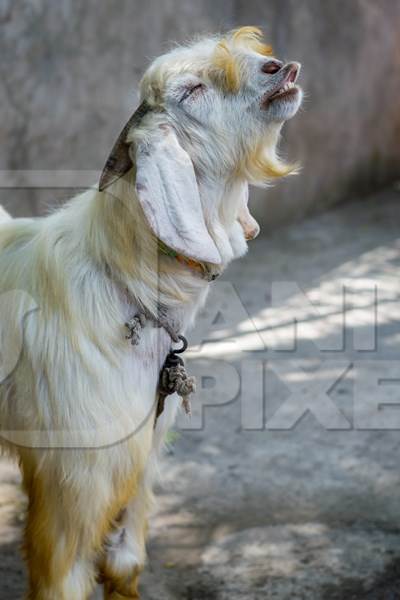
(117, 596)
(122, 590)
(114, 595)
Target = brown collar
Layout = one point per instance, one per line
(200, 267)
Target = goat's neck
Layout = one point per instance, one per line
(221, 202)
(121, 239)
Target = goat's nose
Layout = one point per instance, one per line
(272, 66)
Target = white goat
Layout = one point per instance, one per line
(78, 409)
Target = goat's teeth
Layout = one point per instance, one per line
(285, 88)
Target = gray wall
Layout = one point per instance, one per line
(69, 70)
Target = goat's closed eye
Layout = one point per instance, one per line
(192, 91)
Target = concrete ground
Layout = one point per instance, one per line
(285, 483)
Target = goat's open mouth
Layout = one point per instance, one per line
(286, 89)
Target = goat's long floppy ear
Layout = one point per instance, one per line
(119, 161)
(167, 189)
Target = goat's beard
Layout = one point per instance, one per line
(262, 164)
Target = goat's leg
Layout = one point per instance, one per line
(125, 548)
(57, 566)
(69, 517)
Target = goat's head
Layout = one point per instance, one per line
(208, 125)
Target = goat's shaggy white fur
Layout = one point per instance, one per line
(78, 408)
